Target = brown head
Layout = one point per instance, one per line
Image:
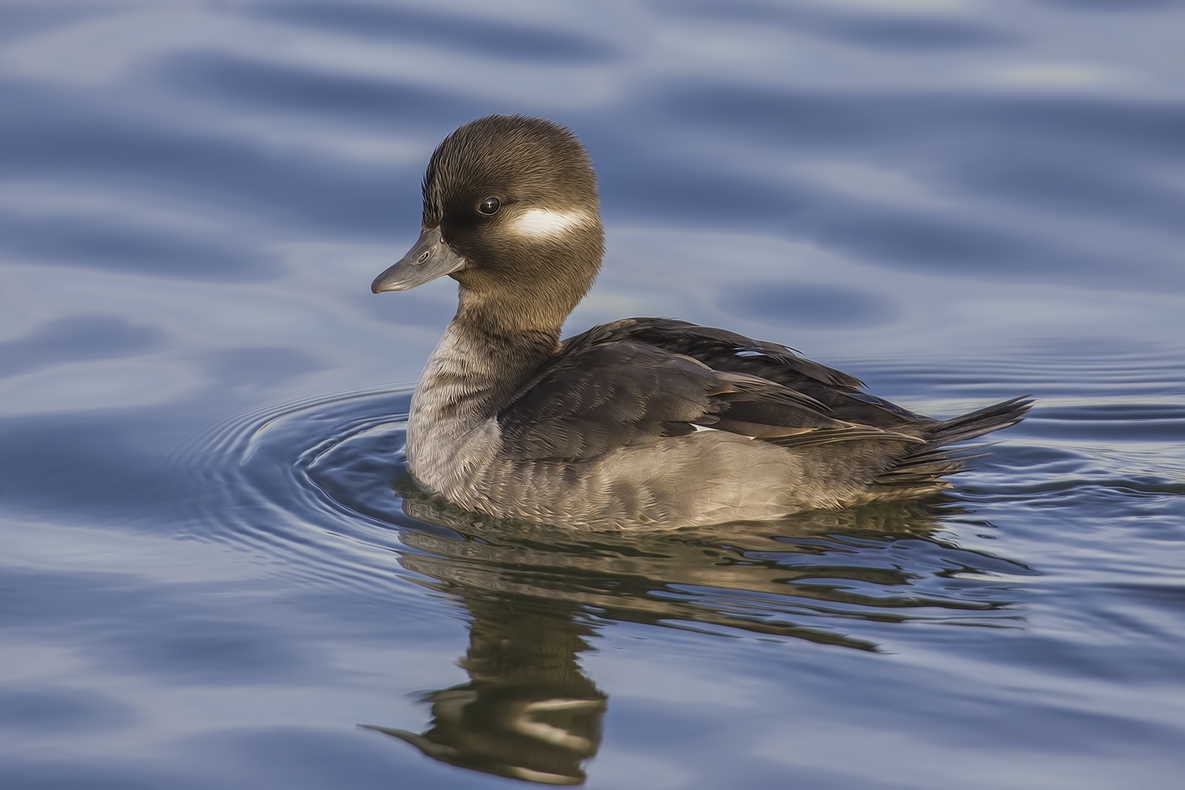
(511, 213)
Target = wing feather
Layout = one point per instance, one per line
(725, 351)
(596, 397)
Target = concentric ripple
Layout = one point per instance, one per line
(320, 487)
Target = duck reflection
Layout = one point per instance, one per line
(535, 596)
(528, 712)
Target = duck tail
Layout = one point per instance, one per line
(924, 467)
(977, 423)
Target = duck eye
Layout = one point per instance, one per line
(489, 206)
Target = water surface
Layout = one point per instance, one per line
(216, 574)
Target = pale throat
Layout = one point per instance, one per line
(468, 370)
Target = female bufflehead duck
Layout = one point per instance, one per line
(644, 422)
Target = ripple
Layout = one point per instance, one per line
(256, 85)
(49, 710)
(811, 304)
(76, 338)
(515, 42)
(122, 245)
(321, 488)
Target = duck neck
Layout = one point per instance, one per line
(486, 354)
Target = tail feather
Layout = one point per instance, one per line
(925, 466)
(977, 423)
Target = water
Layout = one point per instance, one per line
(214, 573)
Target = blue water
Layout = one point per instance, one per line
(214, 572)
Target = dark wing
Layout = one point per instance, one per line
(726, 351)
(596, 397)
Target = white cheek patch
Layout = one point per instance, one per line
(539, 223)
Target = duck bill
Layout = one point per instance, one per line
(428, 259)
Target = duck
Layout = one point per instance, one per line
(640, 423)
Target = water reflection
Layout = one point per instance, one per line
(795, 578)
(527, 712)
(536, 594)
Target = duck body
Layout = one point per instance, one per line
(642, 422)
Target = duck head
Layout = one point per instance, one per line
(511, 213)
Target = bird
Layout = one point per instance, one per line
(641, 423)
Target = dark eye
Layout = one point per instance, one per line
(490, 206)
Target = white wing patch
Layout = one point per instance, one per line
(540, 223)
(704, 428)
